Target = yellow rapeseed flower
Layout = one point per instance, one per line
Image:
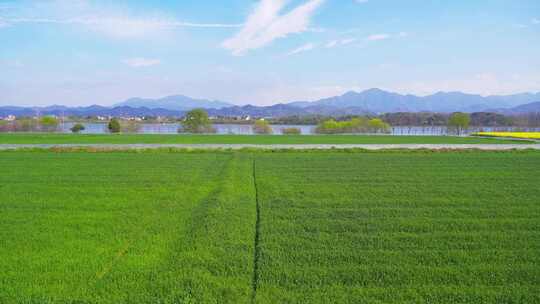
(525, 135)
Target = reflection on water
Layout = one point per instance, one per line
(172, 128)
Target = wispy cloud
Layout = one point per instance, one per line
(376, 37)
(328, 45)
(140, 62)
(334, 43)
(347, 41)
(108, 20)
(331, 44)
(123, 21)
(535, 21)
(303, 48)
(265, 24)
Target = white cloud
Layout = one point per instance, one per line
(535, 21)
(303, 48)
(264, 25)
(376, 37)
(140, 62)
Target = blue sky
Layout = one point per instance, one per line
(81, 52)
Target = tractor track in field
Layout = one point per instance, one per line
(120, 147)
(256, 249)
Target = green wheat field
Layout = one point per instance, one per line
(263, 227)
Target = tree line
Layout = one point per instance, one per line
(419, 119)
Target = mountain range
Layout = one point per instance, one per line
(175, 103)
(351, 103)
(379, 101)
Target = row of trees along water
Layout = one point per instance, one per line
(424, 119)
(197, 121)
(52, 124)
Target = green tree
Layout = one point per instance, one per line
(48, 123)
(376, 125)
(197, 121)
(262, 126)
(459, 122)
(77, 128)
(114, 126)
(328, 127)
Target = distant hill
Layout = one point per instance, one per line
(87, 111)
(533, 107)
(175, 102)
(380, 101)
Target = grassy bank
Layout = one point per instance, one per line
(51, 138)
(230, 227)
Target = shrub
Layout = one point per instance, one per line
(262, 127)
(114, 126)
(291, 131)
(77, 128)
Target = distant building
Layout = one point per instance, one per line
(10, 118)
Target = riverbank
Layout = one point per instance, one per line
(166, 139)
